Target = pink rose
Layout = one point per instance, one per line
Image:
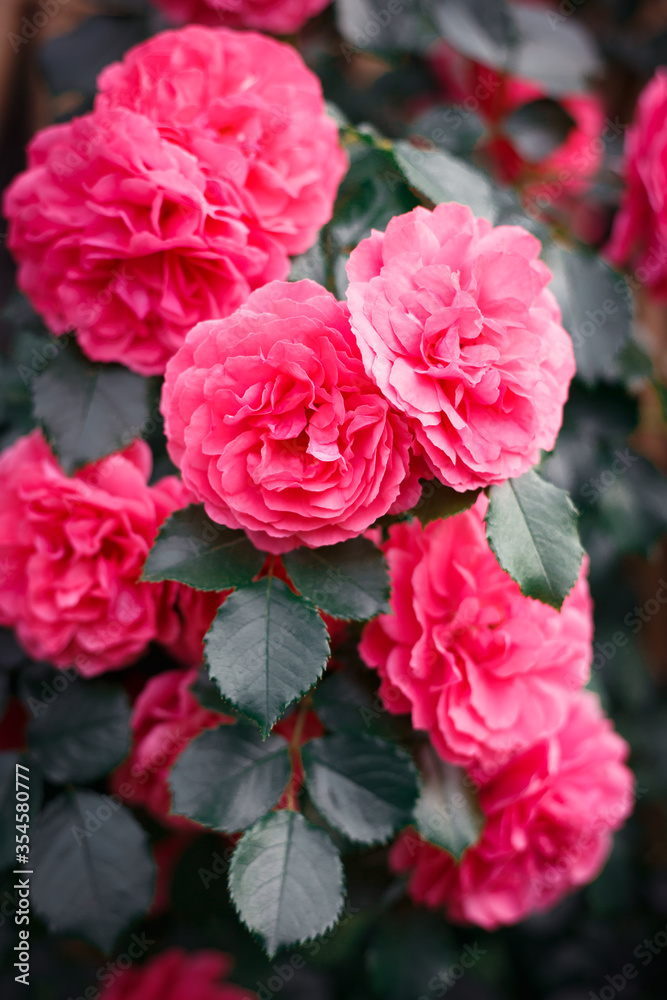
(639, 236)
(275, 426)
(166, 717)
(73, 550)
(279, 17)
(250, 111)
(550, 814)
(457, 328)
(123, 237)
(485, 670)
(177, 975)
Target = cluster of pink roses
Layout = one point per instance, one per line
(303, 420)
(207, 160)
(147, 225)
(72, 551)
(495, 679)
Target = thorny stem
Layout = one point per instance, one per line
(294, 751)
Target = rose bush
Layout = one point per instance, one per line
(303, 417)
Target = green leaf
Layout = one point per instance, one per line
(555, 51)
(94, 873)
(194, 550)
(363, 786)
(208, 695)
(89, 410)
(372, 192)
(483, 30)
(532, 528)
(440, 177)
(29, 776)
(597, 310)
(439, 501)
(448, 813)
(228, 777)
(349, 580)
(343, 706)
(82, 734)
(286, 880)
(384, 26)
(266, 648)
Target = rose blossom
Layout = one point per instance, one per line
(550, 814)
(176, 975)
(279, 17)
(73, 549)
(457, 328)
(483, 669)
(639, 236)
(166, 717)
(121, 236)
(275, 426)
(249, 109)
